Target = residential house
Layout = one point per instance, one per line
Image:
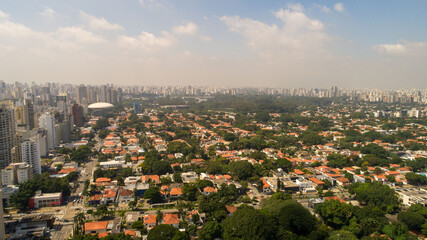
(125, 196)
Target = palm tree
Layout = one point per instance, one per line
(159, 216)
(79, 223)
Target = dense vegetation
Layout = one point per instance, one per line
(39, 182)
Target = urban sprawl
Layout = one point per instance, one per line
(88, 162)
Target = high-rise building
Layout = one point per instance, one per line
(7, 136)
(2, 90)
(21, 116)
(61, 103)
(137, 108)
(47, 121)
(2, 233)
(82, 93)
(77, 112)
(31, 155)
(30, 109)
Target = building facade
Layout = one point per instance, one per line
(7, 133)
(31, 154)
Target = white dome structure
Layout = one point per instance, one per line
(100, 105)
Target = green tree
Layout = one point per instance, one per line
(161, 167)
(210, 231)
(132, 204)
(139, 225)
(189, 192)
(376, 194)
(242, 169)
(248, 223)
(335, 213)
(396, 231)
(177, 177)
(341, 235)
(153, 194)
(416, 179)
(413, 220)
(181, 236)
(79, 222)
(162, 232)
(295, 218)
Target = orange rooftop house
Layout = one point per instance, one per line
(150, 178)
(171, 219)
(150, 221)
(175, 193)
(209, 190)
(96, 227)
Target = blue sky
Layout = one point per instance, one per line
(376, 44)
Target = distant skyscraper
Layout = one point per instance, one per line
(82, 93)
(30, 109)
(77, 112)
(7, 133)
(2, 90)
(47, 121)
(31, 155)
(137, 108)
(61, 103)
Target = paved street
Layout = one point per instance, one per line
(65, 214)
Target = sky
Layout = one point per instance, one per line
(223, 43)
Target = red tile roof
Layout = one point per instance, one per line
(316, 181)
(209, 189)
(150, 219)
(92, 226)
(176, 191)
(170, 218)
(334, 198)
(102, 179)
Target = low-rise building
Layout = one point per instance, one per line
(125, 196)
(410, 196)
(45, 200)
(16, 173)
(97, 227)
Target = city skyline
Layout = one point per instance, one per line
(277, 44)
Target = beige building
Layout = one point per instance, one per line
(16, 173)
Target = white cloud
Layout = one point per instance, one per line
(48, 12)
(296, 7)
(300, 36)
(297, 20)
(79, 35)
(3, 15)
(325, 9)
(392, 49)
(147, 41)
(99, 23)
(187, 29)
(339, 7)
(400, 49)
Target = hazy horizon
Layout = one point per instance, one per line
(272, 44)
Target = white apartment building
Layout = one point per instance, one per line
(31, 154)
